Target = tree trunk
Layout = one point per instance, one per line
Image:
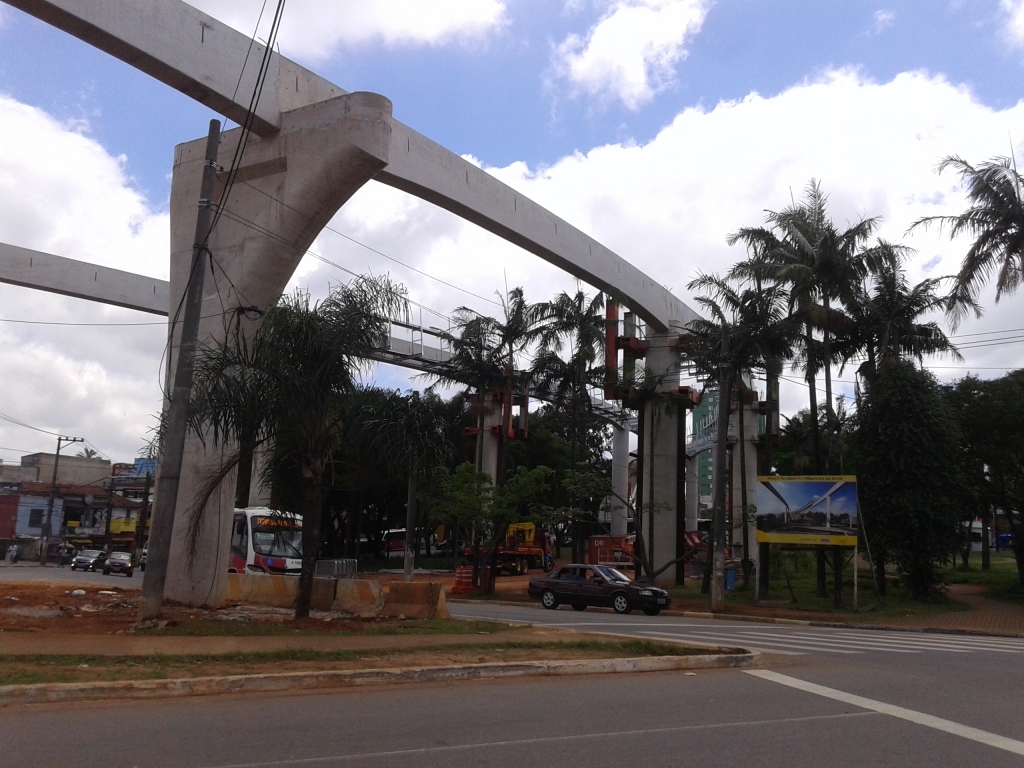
(830, 416)
(986, 528)
(822, 578)
(410, 525)
(812, 394)
(638, 505)
(772, 383)
(748, 563)
(243, 483)
(721, 446)
(880, 571)
(312, 510)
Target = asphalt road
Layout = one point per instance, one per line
(890, 699)
(56, 573)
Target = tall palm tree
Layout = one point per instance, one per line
(883, 315)
(995, 219)
(305, 356)
(571, 323)
(486, 355)
(823, 267)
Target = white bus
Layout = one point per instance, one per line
(265, 540)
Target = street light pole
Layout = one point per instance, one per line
(45, 537)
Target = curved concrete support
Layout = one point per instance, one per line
(289, 187)
(427, 170)
(201, 57)
(620, 480)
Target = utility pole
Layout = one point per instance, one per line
(721, 446)
(140, 524)
(172, 446)
(45, 538)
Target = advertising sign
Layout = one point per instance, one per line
(814, 509)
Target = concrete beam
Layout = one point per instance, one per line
(69, 277)
(201, 57)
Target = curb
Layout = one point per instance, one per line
(776, 620)
(48, 693)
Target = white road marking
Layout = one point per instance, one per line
(540, 740)
(731, 641)
(830, 642)
(973, 644)
(782, 640)
(929, 721)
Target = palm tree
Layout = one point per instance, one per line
(87, 453)
(823, 266)
(995, 219)
(883, 315)
(305, 357)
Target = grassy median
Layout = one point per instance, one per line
(20, 670)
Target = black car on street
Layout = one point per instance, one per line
(119, 562)
(89, 560)
(599, 585)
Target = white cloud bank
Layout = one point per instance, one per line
(315, 29)
(666, 205)
(632, 52)
(1014, 12)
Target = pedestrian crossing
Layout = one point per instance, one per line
(801, 642)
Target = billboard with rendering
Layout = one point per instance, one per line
(808, 510)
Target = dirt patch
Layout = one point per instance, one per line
(87, 609)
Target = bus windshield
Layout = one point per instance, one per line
(276, 537)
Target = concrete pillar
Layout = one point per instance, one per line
(749, 437)
(492, 422)
(288, 188)
(620, 479)
(660, 457)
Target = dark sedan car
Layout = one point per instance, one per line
(583, 585)
(119, 562)
(89, 560)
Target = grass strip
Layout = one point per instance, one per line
(21, 670)
(203, 627)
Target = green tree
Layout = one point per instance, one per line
(995, 219)
(911, 494)
(305, 356)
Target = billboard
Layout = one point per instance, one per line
(813, 509)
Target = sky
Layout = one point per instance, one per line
(656, 126)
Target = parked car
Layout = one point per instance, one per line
(119, 562)
(89, 560)
(584, 585)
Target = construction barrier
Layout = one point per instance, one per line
(360, 597)
(463, 580)
(416, 600)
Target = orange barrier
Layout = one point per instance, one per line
(463, 580)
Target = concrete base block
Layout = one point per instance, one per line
(416, 600)
(358, 596)
(262, 590)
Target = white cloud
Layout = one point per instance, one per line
(315, 29)
(883, 20)
(1014, 11)
(632, 52)
(668, 205)
(62, 193)
(665, 205)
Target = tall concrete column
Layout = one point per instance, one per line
(749, 438)
(492, 419)
(692, 493)
(288, 187)
(660, 457)
(620, 479)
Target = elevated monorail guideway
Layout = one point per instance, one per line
(318, 145)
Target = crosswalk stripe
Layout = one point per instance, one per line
(731, 642)
(841, 642)
(980, 643)
(918, 642)
(821, 643)
(783, 642)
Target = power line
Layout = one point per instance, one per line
(18, 422)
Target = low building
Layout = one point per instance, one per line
(84, 515)
(77, 470)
